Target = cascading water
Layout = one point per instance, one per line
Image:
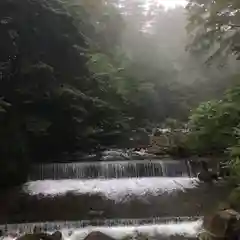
(118, 229)
(53, 226)
(118, 198)
(117, 169)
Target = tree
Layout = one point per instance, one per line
(213, 124)
(215, 26)
(50, 102)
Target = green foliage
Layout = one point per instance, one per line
(214, 26)
(79, 76)
(215, 34)
(235, 150)
(51, 102)
(173, 124)
(235, 169)
(234, 198)
(213, 124)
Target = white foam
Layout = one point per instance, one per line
(188, 229)
(184, 229)
(115, 189)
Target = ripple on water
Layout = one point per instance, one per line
(114, 189)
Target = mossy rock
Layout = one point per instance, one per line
(222, 224)
(234, 198)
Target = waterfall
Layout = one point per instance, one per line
(119, 190)
(54, 226)
(126, 186)
(110, 169)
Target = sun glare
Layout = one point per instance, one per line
(168, 4)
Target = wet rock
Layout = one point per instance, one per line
(37, 229)
(56, 236)
(95, 213)
(207, 176)
(98, 236)
(41, 236)
(204, 176)
(29, 236)
(13, 235)
(224, 170)
(223, 224)
(70, 233)
(234, 198)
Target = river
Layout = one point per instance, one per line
(155, 197)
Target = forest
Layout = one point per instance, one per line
(79, 76)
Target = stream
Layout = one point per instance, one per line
(156, 197)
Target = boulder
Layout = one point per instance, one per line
(224, 224)
(234, 198)
(98, 236)
(207, 176)
(204, 176)
(224, 170)
(56, 236)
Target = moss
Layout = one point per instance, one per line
(234, 199)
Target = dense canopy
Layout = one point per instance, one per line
(77, 77)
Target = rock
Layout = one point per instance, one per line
(95, 213)
(30, 236)
(98, 236)
(56, 236)
(223, 224)
(207, 176)
(41, 236)
(224, 170)
(234, 198)
(37, 229)
(204, 176)
(13, 235)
